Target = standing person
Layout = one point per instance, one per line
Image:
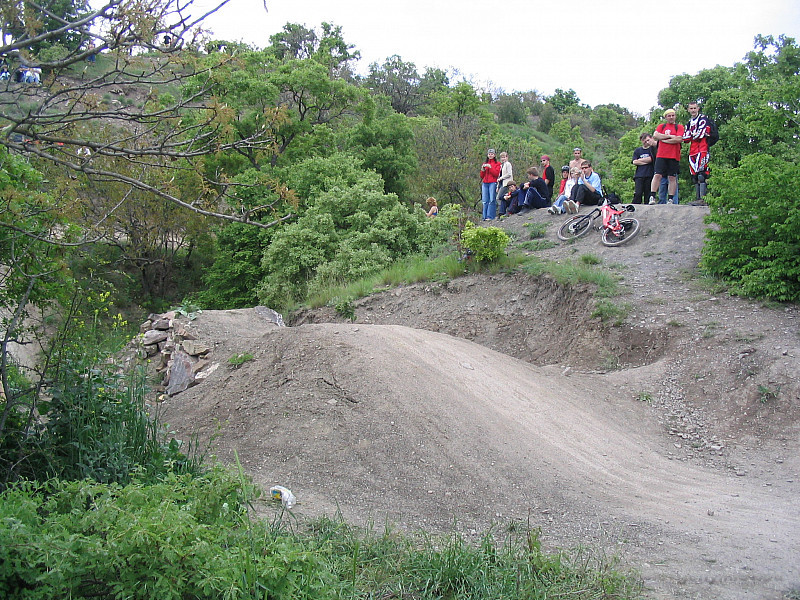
(696, 135)
(669, 136)
(577, 159)
(662, 192)
(644, 158)
(490, 171)
(549, 176)
(588, 191)
(506, 176)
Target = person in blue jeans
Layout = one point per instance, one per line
(662, 191)
(490, 171)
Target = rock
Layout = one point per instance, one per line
(195, 348)
(154, 337)
(161, 325)
(179, 375)
(270, 315)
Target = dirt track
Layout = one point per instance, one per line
(483, 400)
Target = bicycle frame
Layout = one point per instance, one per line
(611, 216)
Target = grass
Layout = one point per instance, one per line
(645, 397)
(766, 394)
(710, 329)
(406, 272)
(609, 312)
(536, 245)
(572, 273)
(237, 360)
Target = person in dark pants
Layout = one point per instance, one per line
(644, 158)
(588, 191)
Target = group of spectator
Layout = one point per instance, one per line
(579, 185)
(658, 158)
(22, 74)
(657, 164)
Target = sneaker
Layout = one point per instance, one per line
(572, 207)
(552, 210)
(652, 201)
(700, 202)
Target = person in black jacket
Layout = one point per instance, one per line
(534, 191)
(644, 158)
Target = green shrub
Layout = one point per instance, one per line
(184, 537)
(757, 243)
(485, 243)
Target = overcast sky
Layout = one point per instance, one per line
(614, 51)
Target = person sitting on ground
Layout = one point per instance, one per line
(535, 192)
(564, 178)
(4, 73)
(588, 191)
(433, 208)
(509, 199)
(566, 190)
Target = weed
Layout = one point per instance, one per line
(610, 362)
(747, 337)
(537, 230)
(674, 323)
(766, 393)
(345, 308)
(591, 259)
(611, 312)
(710, 329)
(237, 360)
(646, 397)
(570, 273)
(187, 309)
(536, 245)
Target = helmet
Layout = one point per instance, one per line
(565, 168)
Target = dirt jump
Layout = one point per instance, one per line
(669, 437)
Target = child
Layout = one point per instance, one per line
(558, 205)
(509, 200)
(433, 208)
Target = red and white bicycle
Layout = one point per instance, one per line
(616, 231)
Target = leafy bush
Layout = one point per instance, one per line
(485, 243)
(758, 240)
(184, 537)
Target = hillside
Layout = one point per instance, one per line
(671, 438)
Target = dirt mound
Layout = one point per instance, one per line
(497, 398)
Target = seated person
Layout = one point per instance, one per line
(558, 206)
(588, 191)
(535, 192)
(509, 199)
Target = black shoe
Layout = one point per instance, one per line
(700, 202)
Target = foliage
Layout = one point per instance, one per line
(190, 536)
(408, 92)
(237, 360)
(351, 229)
(563, 101)
(758, 240)
(186, 536)
(485, 243)
(510, 109)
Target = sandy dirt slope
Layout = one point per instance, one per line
(418, 424)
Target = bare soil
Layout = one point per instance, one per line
(670, 439)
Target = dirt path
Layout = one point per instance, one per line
(486, 399)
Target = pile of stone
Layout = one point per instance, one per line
(170, 343)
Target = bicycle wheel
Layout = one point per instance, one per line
(575, 227)
(630, 227)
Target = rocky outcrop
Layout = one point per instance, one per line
(169, 340)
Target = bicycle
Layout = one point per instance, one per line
(616, 231)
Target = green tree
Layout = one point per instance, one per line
(757, 242)
(563, 101)
(510, 108)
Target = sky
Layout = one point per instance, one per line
(611, 51)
